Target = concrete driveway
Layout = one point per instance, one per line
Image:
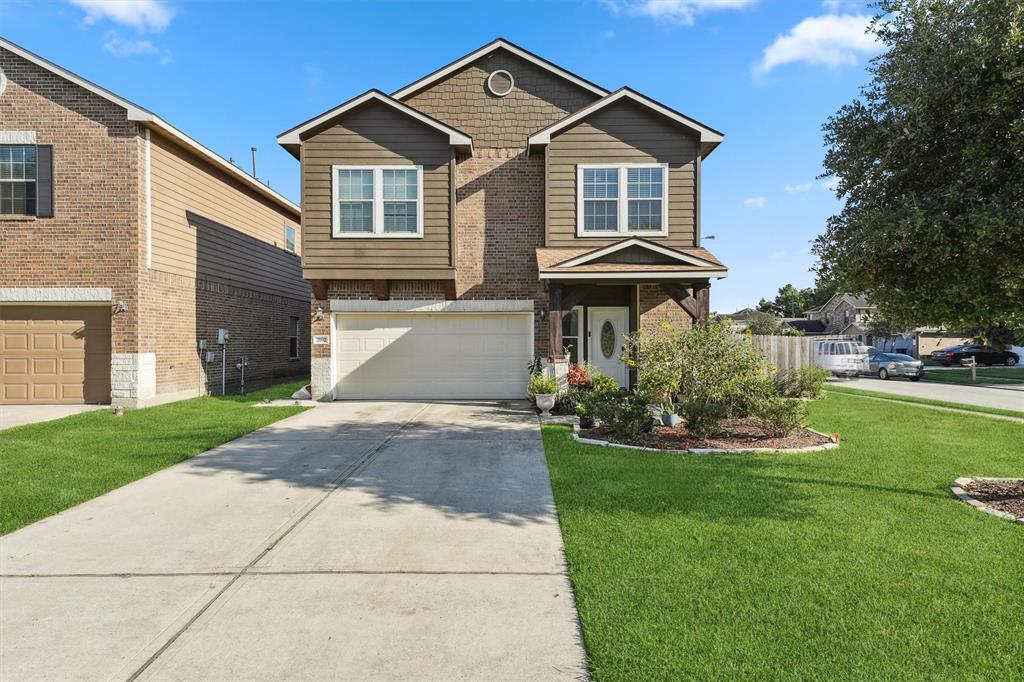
(363, 540)
(19, 415)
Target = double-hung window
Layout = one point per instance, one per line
(630, 198)
(289, 238)
(17, 180)
(378, 201)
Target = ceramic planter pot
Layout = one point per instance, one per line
(669, 418)
(545, 403)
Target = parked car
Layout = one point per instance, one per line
(983, 355)
(887, 365)
(842, 358)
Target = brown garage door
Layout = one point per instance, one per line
(54, 354)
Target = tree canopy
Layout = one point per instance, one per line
(930, 161)
(792, 302)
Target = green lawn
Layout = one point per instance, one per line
(48, 467)
(994, 375)
(854, 563)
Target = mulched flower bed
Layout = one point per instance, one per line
(737, 434)
(1006, 496)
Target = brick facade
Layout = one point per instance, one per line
(656, 307)
(97, 238)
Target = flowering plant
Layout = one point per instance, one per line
(578, 376)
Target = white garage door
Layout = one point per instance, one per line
(432, 355)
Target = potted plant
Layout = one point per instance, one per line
(544, 390)
(669, 416)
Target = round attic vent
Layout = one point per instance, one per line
(500, 83)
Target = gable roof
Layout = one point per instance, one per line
(857, 301)
(586, 263)
(672, 254)
(709, 137)
(290, 139)
(150, 120)
(497, 44)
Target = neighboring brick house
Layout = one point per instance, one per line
(497, 209)
(843, 314)
(125, 245)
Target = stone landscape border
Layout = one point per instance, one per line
(830, 445)
(958, 490)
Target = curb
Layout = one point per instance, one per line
(831, 445)
(958, 491)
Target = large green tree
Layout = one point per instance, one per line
(930, 161)
(792, 302)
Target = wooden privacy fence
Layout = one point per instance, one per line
(785, 352)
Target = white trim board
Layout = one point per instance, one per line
(455, 137)
(670, 274)
(460, 306)
(150, 120)
(487, 49)
(707, 135)
(635, 241)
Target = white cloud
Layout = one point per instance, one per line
(609, 34)
(754, 202)
(799, 187)
(833, 40)
(142, 15)
(680, 12)
(831, 184)
(127, 47)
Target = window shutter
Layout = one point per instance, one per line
(44, 180)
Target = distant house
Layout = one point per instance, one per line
(847, 315)
(740, 319)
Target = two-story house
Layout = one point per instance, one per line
(125, 246)
(496, 209)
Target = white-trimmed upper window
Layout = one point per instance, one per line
(289, 238)
(630, 198)
(378, 201)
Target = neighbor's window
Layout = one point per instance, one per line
(293, 337)
(289, 238)
(17, 180)
(618, 199)
(378, 201)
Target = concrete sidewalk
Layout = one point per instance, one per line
(357, 540)
(1001, 397)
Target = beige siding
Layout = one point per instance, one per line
(207, 226)
(625, 133)
(376, 135)
(539, 99)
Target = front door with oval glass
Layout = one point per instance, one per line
(606, 330)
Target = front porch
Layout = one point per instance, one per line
(589, 321)
(597, 296)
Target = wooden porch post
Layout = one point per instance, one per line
(555, 314)
(702, 292)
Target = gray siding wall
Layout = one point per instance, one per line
(375, 135)
(621, 133)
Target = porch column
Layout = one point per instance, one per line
(702, 292)
(555, 314)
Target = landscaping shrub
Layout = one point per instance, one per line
(806, 382)
(703, 420)
(718, 369)
(578, 376)
(656, 353)
(602, 383)
(627, 414)
(543, 385)
(781, 416)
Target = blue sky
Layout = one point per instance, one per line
(766, 73)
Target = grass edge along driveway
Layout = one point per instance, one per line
(854, 563)
(48, 467)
